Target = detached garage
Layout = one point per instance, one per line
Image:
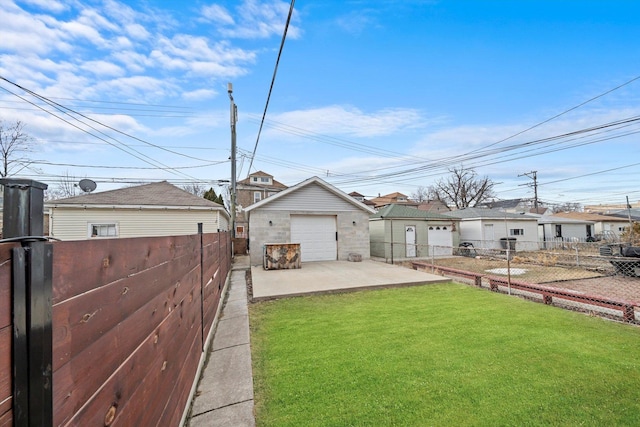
(326, 222)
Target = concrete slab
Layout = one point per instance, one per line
(231, 332)
(227, 380)
(335, 276)
(237, 291)
(237, 307)
(240, 414)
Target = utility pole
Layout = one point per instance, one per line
(630, 222)
(234, 120)
(533, 175)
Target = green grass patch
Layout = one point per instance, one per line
(439, 355)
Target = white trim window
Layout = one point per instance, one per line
(257, 196)
(516, 232)
(103, 230)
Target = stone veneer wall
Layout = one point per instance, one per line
(351, 238)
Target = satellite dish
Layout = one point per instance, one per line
(87, 185)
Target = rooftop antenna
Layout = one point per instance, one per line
(87, 185)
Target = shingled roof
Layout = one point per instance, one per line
(154, 194)
(403, 211)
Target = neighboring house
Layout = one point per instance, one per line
(626, 213)
(413, 232)
(612, 208)
(157, 209)
(393, 198)
(359, 197)
(327, 223)
(602, 224)
(254, 188)
(556, 229)
(510, 205)
(487, 228)
(435, 206)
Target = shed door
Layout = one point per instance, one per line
(440, 240)
(410, 240)
(316, 235)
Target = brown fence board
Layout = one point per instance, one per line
(126, 324)
(6, 420)
(82, 377)
(173, 413)
(6, 384)
(5, 284)
(132, 388)
(107, 260)
(92, 314)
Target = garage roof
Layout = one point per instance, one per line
(311, 181)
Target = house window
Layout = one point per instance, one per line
(240, 230)
(255, 179)
(558, 230)
(264, 179)
(103, 230)
(516, 232)
(257, 196)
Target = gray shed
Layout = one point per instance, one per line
(400, 231)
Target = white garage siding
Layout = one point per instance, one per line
(316, 235)
(311, 198)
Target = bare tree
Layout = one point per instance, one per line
(568, 207)
(65, 187)
(195, 188)
(422, 194)
(14, 144)
(463, 188)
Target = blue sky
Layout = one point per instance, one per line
(373, 96)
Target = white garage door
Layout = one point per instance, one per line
(440, 240)
(316, 235)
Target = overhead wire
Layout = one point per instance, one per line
(273, 80)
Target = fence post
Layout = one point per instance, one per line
(32, 268)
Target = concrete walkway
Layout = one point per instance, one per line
(335, 276)
(225, 392)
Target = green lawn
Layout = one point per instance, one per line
(440, 355)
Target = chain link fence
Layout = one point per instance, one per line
(596, 277)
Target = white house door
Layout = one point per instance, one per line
(316, 235)
(488, 238)
(440, 240)
(410, 240)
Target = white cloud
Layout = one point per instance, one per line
(199, 94)
(50, 5)
(262, 20)
(103, 68)
(351, 121)
(217, 13)
(137, 31)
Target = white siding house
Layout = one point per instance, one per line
(485, 228)
(556, 229)
(157, 209)
(328, 223)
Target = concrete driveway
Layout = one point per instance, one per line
(335, 276)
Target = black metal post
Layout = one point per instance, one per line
(23, 219)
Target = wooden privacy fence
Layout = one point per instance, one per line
(118, 337)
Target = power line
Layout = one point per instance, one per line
(273, 80)
(64, 110)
